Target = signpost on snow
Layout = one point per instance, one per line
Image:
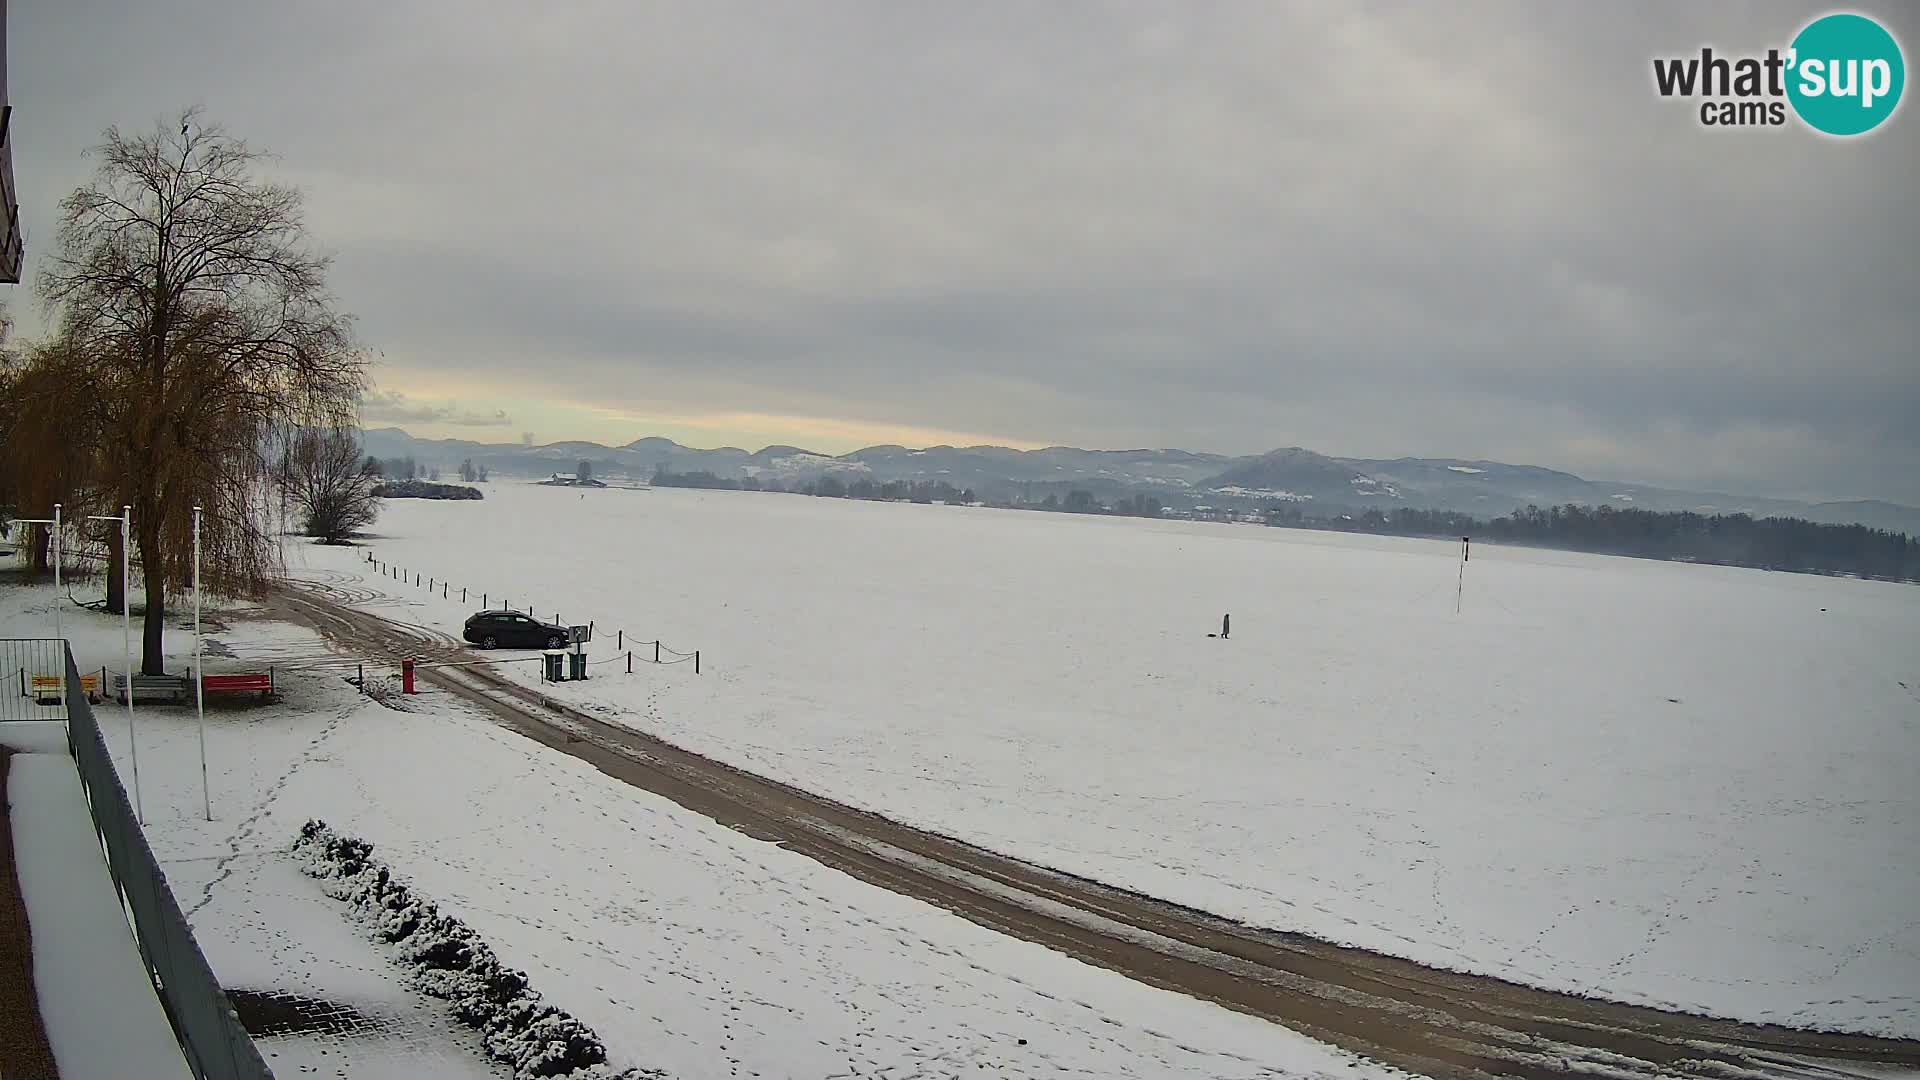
(577, 637)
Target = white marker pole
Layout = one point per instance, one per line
(126, 636)
(199, 676)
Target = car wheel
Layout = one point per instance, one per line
(488, 642)
(554, 642)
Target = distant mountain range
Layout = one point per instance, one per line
(1325, 485)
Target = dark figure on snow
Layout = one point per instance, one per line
(1226, 624)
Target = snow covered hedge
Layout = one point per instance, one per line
(449, 961)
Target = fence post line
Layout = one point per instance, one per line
(696, 661)
(656, 650)
(629, 661)
(619, 639)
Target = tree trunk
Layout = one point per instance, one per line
(42, 550)
(153, 657)
(116, 595)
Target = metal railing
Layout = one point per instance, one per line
(33, 679)
(210, 1034)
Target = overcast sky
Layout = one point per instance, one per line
(1391, 229)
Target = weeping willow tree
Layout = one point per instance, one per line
(50, 447)
(192, 307)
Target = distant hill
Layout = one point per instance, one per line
(1327, 485)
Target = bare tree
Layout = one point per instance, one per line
(327, 480)
(188, 292)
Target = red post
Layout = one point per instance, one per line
(406, 676)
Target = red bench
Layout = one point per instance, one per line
(249, 682)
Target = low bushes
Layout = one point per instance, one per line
(424, 489)
(449, 961)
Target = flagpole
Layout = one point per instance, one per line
(125, 519)
(58, 594)
(199, 676)
(1460, 586)
(53, 541)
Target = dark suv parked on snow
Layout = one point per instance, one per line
(513, 630)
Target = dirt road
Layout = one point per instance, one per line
(1420, 1019)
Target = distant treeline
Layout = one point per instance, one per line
(423, 489)
(830, 487)
(1729, 539)
(407, 468)
(1790, 544)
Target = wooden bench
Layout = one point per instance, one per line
(239, 682)
(52, 689)
(152, 689)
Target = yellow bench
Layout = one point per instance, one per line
(52, 689)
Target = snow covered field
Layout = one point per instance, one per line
(688, 946)
(1679, 785)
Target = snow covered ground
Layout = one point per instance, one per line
(688, 946)
(1679, 785)
(101, 1015)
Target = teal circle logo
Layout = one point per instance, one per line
(1845, 74)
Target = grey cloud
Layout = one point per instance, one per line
(1464, 230)
(387, 406)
